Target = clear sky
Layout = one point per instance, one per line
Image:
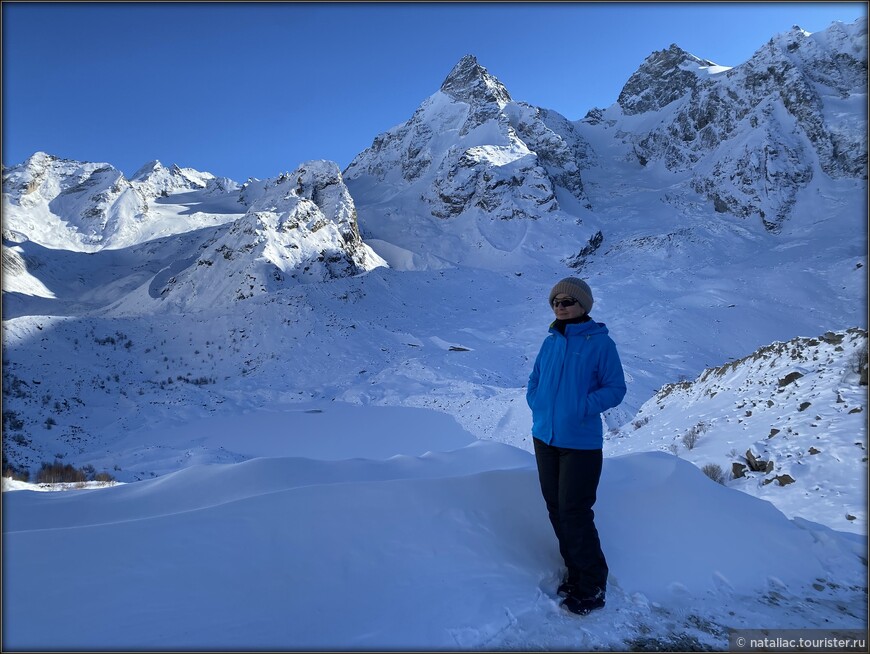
(254, 89)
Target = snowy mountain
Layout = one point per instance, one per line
(87, 207)
(377, 326)
(655, 174)
(756, 134)
(69, 202)
(154, 179)
(466, 178)
(300, 226)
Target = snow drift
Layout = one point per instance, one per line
(444, 550)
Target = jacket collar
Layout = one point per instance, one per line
(587, 328)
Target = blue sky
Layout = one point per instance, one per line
(254, 89)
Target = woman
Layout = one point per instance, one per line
(577, 376)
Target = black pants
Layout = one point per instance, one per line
(569, 481)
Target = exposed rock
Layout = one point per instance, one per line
(758, 465)
(579, 259)
(470, 82)
(782, 480)
(664, 77)
(789, 378)
(13, 263)
(594, 116)
(559, 148)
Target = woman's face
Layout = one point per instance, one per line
(567, 312)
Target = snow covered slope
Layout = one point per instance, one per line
(786, 423)
(324, 552)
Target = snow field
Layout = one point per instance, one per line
(439, 550)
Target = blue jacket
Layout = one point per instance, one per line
(576, 377)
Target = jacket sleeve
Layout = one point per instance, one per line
(611, 382)
(532, 387)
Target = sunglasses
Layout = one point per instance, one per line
(570, 302)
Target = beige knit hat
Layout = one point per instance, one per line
(576, 288)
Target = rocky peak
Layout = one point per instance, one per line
(792, 39)
(511, 169)
(675, 57)
(148, 169)
(835, 58)
(790, 83)
(665, 76)
(154, 179)
(470, 82)
(299, 227)
(39, 160)
(46, 176)
(594, 116)
(319, 182)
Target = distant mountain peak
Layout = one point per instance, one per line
(158, 179)
(664, 76)
(510, 169)
(39, 158)
(472, 83)
(147, 169)
(797, 30)
(676, 56)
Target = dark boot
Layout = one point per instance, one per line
(567, 587)
(583, 605)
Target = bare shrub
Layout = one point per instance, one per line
(12, 472)
(57, 472)
(714, 472)
(690, 438)
(637, 424)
